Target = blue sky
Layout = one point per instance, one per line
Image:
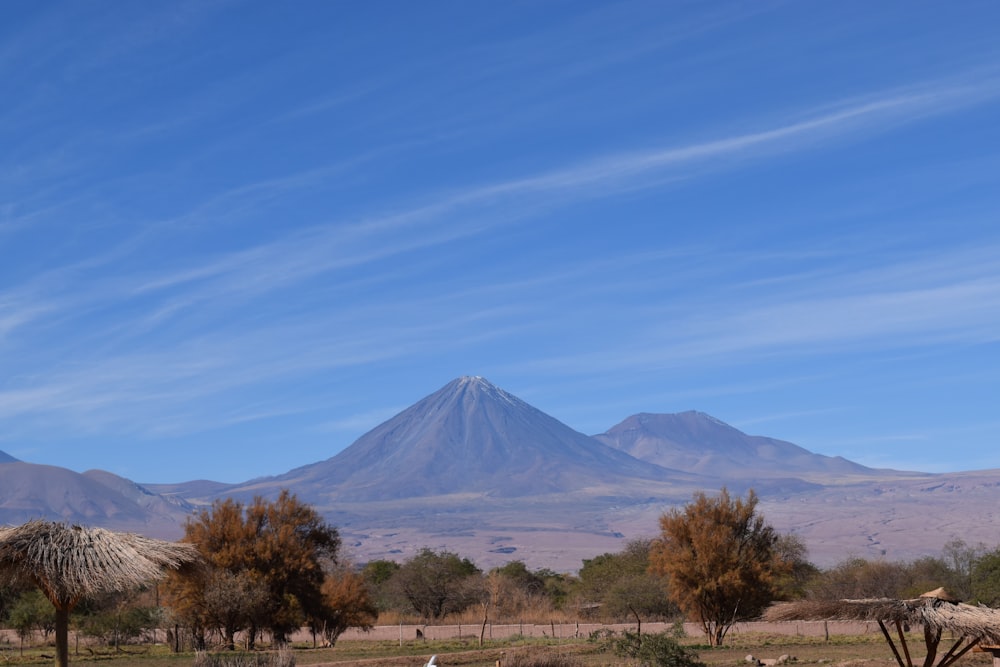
(237, 235)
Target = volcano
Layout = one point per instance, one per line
(471, 437)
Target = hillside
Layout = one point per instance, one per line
(699, 443)
(469, 437)
(33, 491)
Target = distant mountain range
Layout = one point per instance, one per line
(476, 470)
(699, 443)
(30, 491)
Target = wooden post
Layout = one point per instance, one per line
(62, 636)
(931, 641)
(892, 645)
(952, 655)
(902, 640)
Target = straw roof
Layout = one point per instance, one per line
(71, 562)
(933, 613)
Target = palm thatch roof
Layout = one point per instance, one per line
(935, 612)
(72, 562)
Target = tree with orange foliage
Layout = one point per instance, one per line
(281, 548)
(348, 604)
(720, 561)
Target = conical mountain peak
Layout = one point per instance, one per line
(475, 386)
(470, 436)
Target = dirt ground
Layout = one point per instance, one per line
(804, 645)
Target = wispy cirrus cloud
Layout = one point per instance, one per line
(946, 298)
(950, 297)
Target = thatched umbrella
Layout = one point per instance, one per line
(69, 563)
(936, 611)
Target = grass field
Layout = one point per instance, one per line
(838, 651)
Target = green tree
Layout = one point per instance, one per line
(621, 585)
(438, 583)
(986, 579)
(519, 575)
(926, 574)
(961, 559)
(282, 547)
(31, 613)
(378, 577)
(718, 555)
(116, 618)
(9, 595)
(794, 577)
(378, 572)
(558, 586)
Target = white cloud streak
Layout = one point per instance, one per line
(225, 286)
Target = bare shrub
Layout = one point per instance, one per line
(539, 659)
(280, 658)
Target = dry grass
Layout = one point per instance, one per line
(281, 658)
(840, 651)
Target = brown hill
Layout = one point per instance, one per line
(33, 491)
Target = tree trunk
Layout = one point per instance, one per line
(638, 623)
(931, 640)
(486, 618)
(718, 634)
(62, 637)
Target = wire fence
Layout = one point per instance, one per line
(410, 632)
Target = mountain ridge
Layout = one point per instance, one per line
(474, 469)
(697, 442)
(37, 491)
(470, 436)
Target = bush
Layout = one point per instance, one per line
(601, 636)
(282, 658)
(660, 650)
(116, 627)
(535, 659)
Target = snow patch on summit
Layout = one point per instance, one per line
(491, 390)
